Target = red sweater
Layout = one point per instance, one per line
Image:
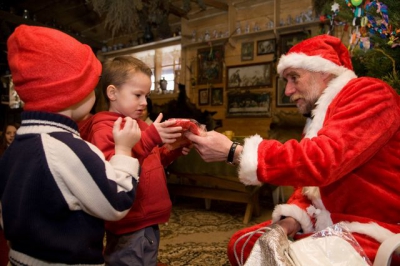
(152, 204)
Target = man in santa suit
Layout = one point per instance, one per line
(346, 168)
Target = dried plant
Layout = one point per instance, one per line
(121, 15)
(129, 15)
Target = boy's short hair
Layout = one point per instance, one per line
(50, 69)
(117, 70)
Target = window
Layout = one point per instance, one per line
(164, 63)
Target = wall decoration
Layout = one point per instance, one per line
(249, 76)
(247, 51)
(266, 46)
(217, 96)
(248, 104)
(209, 65)
(204, 98)
(287, 41)
(281, 99)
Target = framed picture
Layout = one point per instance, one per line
(266, 47)
(217, 96)
(281, 99)
(247, 51)
(249, 76)
(209, 65)
(248, 104)
(204, 98)
(287, 41)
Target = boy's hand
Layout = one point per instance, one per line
(186, 150)
(167, 133)
(127, 136)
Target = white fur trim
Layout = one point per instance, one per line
(313, 126)
(249, 161)
(321, 215)
(373, 230)
(293, 211)
(313, 63)
(319, 112)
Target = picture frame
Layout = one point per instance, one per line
(247, 51)
(248, 104)
(287, 41)
(210, 65)
(267, 46)
(204, 97)
(217, 96)
(249, 76)
(281, 99)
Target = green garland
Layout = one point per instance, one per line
(382, 60)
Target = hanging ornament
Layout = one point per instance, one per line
(356, 2)
(380, 26)
(335, 9)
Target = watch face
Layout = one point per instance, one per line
(356, 2)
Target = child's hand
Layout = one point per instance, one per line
(125, 138)
(168, 134)
(186, 150)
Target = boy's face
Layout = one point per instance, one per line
(130, 98)
(10, 134)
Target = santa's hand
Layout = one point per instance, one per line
(290, 226)
(212, 147)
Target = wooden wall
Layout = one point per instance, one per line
(243, 12)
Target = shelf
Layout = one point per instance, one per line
(206, 43)
(154, 95)
(252, 33)
(244, 4)
(285, 28)
(143, 47)
(298, 26)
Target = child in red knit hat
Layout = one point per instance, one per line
(55, 188)
(134, 240)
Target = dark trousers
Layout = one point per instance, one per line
(139, 248)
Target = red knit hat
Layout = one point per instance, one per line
(322, 53)
(50, 69)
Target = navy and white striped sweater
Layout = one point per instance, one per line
(55, 191)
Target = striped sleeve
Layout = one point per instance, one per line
(86, 180)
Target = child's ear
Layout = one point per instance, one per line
(111, 92)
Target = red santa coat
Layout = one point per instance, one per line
(346, 168)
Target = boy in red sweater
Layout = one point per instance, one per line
(134, 240)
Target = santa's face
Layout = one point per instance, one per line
(304, 88)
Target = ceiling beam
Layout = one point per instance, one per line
(179, 12)
(216, 4)
(18, 20)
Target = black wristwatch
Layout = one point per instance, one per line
(231, 154)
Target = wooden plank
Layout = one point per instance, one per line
(179, 12)
(18, 20)
(216, 4)
(218, 182)
(209, 193)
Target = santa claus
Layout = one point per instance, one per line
(347, 166)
